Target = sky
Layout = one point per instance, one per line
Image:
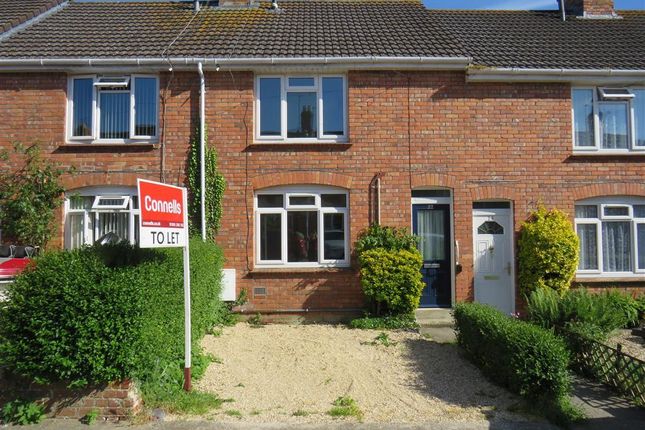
(516, 4)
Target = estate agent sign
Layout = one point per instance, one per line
(163, 223)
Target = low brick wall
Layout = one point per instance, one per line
(116, 401)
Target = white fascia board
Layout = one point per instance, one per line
(555, 75)
(188, 63)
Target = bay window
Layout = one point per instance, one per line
(612, 236)
(113, 109)
(302, 227)
(301, 108)
(96, 213)
(608, 120)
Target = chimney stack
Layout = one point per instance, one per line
(590, 8)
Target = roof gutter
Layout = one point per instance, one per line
(553, 75)
(442, 63)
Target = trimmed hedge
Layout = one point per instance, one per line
(525, 358)
(103, 314)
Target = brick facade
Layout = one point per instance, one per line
(419, 129)
(590, 7)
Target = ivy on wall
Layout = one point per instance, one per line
(30, 194)
(215, 186)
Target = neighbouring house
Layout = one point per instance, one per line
(329, 115)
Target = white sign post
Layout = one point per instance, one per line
(163, 223)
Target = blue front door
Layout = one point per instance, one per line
(431, 222)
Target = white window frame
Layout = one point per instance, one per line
(96, 109)
(286, 88)
(91, 215)
(599, 98)
(301, 191)
(601, 203)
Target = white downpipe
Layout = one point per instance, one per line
(378, 200)
(202, 147)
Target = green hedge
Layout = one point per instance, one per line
(102, 314)
(525, 358)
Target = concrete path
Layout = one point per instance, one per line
(604, 409)
(436, 324)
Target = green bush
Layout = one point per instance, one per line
(22, 412)
(102, 314)
(389, 322)
(392, 279)
(599, 314)
(389, 238)
(547, 252)
(523, 357)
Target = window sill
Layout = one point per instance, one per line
(298, 147)
(596, 153)
(277, 270)
(139, 146)
(591, 279)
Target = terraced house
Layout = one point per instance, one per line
(329, 115)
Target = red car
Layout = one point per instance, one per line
(13, 260)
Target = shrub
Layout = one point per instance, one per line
(548, 252)
(22, 412)
(388, 322)
(389, 238)
(392, 279)
(606, 311)
(102, 314)
(523, 357)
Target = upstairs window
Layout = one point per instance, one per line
(301, 108)
(113, 109)
(612, 236)
(608, 119)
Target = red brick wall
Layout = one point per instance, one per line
(590, 7)
(421, 129)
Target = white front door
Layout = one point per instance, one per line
(493, 256)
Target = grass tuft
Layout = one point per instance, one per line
(344, 407)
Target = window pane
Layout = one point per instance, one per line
(639, 211)
(113, 222)
(639, 116)
(583, 117)
(80, 202)
(302, 236)
(616, 211)
(333, 200)
(145, 103)
(431, 232)
(586, 211)
(616, 247)
(588, 247)
(332, 95)
(334, 246)
(302, 201)
(270, 201)
(82, 121)
(76, 230)
(115, 115)
(270, 237)
(613, 125)
(301, 82)
(270, 116)
(640, 237)
(302, 119)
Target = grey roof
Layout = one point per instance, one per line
(540, 39)
(16, 12)
(302, 28)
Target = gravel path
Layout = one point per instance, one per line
(275, 371)
(632, 345)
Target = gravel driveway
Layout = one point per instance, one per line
(292, 374)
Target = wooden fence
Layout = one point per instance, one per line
(608, 365)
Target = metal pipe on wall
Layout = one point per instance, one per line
(202, 148)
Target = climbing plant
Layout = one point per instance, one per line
(30, 194)
(215, 186)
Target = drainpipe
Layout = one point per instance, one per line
(378, 200)
(202, 147)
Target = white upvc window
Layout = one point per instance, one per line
(94, 212)
(301, 108)
(113, 109)
(612, 236)
(303, 226)
(608, 120)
